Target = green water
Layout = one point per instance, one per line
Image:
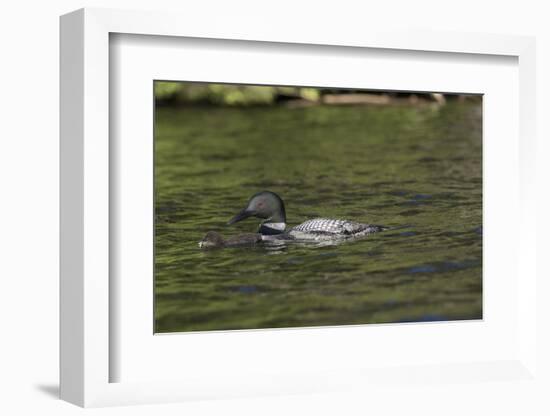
(414, 168)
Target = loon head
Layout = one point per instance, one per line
(212, 239)
(268, 206)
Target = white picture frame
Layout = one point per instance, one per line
(86, 216)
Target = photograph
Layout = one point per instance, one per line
(310, 206)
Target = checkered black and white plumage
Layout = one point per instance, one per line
(333, 227)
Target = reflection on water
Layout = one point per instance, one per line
(414, 169)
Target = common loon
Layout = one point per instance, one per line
(270, 207)
(212, 239)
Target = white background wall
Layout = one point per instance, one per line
(29, 205)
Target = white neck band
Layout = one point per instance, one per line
(279, 226)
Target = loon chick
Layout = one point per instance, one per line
(212, 239)
(270, 207)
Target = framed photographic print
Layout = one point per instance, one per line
(273, 214)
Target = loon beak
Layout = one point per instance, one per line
(245, 213)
